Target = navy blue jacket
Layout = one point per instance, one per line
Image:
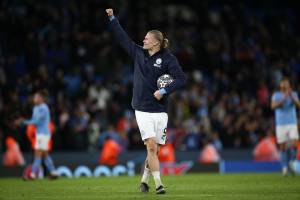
(147, 69)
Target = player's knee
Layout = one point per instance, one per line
(282, 146)
(152, 150)
(38, 153)
(151, 147)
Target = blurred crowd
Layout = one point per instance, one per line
(234, 56)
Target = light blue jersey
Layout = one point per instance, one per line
(285, 114)
(40, 118)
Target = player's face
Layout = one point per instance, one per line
(37, 99)
(285, 86)
(150, 41)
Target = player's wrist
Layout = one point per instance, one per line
(162, 91)
(112, 17)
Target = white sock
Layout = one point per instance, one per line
(32, 175)
(146, 175)
(156, 176)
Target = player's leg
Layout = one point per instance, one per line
(147, 172)
(146, 127)
(144, 187)
(160, 129)
(147, 123)
(152, 154)
(38, 156)
(50, 165)
(294, 148)
(146, 175)
(160, 189)
(292, 153)
(43, 146)
(36, 163)
(293, 138)
(154, 164)
(282, 138)
(283, 158)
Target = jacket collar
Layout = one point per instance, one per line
(159, 52)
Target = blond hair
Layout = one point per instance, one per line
(164, 42)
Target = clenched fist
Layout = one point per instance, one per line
(110, 12)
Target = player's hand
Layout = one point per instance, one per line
(286, 96)
(157, 95)
(110, 12)
(294, 99)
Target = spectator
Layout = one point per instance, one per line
(167, 153)
(110, 152)
(13, 155)
(266, 149)
(209, 154)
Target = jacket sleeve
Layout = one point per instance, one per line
(122, 37)
(175, 70)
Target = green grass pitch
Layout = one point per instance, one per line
(192, 186)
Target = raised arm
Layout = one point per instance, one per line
(122, 37)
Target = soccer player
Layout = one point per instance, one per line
(40, 118)
(151, 60)
(284, 102)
